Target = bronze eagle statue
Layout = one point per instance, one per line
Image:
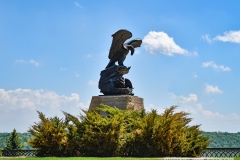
(119, 49)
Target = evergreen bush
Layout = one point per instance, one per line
(13, 142)
(120, 133)
(49, 136)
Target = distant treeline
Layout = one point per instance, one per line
(223, 139)
(217, 139)
(23, 136)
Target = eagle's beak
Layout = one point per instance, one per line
(131, 48)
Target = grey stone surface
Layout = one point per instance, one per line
(119, 101)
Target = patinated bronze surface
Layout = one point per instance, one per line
(112, 81)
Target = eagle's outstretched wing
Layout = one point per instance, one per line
(119, 38)
(135, 43)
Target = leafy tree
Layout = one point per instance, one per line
(13, 142)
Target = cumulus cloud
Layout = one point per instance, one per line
(160, 42)
(212, 90)
(229, 36)
(206, 38)
(210, 121)
(31, 61)
(191, 99)
(215, 66)
(18, 107)
(35, 99)
(190, 104)
(209, 114)
(34, 62)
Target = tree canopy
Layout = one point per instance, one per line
(223, 139)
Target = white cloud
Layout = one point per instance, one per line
(215, 66)
(35, 99)
(212, 90)
(229, 36)
(18, 107)
(191, 105)
(209, 114)
(92, 82)
(209, 120)
(191, 99)
(89, 56)
(34, 62)
(77, 4)
(206, 38)
(160, 42)
(137, 52)
(152, 106)
(31, 61)
(19, 61)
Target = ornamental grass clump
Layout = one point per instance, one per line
(119, 133)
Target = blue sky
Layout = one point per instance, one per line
(52, 53)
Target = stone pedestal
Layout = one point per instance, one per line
(119, 101)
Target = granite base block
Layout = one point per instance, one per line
(119, 101)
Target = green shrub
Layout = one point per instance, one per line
(120, 133)
(163, 135)
(0, 152)
(49, 136)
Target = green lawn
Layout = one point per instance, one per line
(90, 158)
(80, 158)
(96, 158)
